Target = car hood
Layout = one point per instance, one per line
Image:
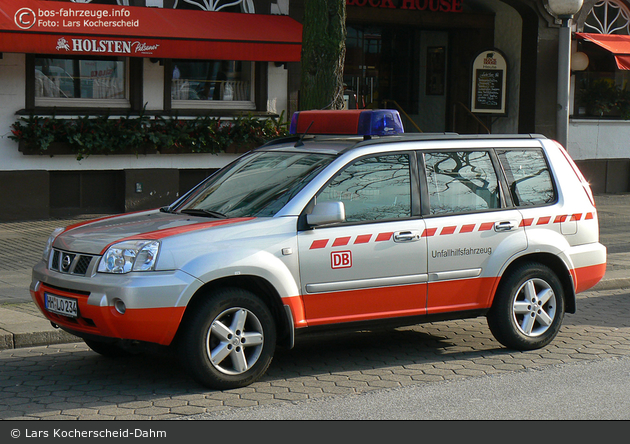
(94, 237)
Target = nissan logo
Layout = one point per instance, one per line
(66, 262)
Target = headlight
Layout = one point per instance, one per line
(133, 255)
(49, 242)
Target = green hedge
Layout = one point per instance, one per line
(103, 135)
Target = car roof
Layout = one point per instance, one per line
(335, 145)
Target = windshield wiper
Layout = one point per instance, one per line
(202, 212)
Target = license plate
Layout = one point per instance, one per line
(60, 305)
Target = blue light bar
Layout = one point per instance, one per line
(378, 122)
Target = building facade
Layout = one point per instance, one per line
(125, 59)
(467, 66)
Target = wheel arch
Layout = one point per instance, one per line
(556, 265)
(254, 284)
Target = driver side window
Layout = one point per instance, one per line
(373, 188)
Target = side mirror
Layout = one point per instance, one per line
(326, 213)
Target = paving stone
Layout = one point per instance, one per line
(152, 411)
(385, 384)
(259, 397)
(170, 403)
(208, 403)
(243, 402)
(97, 417)
(339, 390)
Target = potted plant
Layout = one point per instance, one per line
(599, 96)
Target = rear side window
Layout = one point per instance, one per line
(461, 182)
(528, 177)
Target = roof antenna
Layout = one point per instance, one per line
(300, 142)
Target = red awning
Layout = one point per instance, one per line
(623, 61)
(619, 45)
(63, 28)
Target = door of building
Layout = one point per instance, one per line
(400, 67)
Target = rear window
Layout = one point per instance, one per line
(528, 177)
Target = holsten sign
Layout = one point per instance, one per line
(69, 28)
(420, 5)
(105, 46)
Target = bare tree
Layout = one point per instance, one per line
(323, 54)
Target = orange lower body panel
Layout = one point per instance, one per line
(586, 277)
(461, 294)
(157, 325)
(365, 304)
(398, 301)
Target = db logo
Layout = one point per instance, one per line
(341, 259)
(25, 18)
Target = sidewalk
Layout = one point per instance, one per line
(22, 243)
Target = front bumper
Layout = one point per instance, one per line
(154, 302)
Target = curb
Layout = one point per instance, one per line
(20, 329)
(612, 284)
(35, 339)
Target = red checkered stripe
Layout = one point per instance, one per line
(451, 229)
(528, 222)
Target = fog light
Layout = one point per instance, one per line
(120, 306)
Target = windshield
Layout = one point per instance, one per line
(257, 185)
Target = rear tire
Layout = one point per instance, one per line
(229, 340)
(528, 307)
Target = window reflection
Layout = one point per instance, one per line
(375, 188)
(259, 184)
(80, 78)
(528, 177)
(460, 182)
(221, 80)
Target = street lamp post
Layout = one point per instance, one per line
(564, 10)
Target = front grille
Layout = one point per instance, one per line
(71, 263)
(82, 265)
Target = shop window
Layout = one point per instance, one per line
(214, 84)
(80, 82)
(602, 90)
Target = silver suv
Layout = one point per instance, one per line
(349, 223)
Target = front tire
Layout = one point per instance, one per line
(230, 339)
(528, 308)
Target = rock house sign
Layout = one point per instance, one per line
(419, 5)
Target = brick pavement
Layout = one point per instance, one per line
(67, 381)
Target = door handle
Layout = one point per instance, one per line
(504, 226)
(406, 236)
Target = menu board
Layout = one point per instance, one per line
(489, 83)
(489, 93)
